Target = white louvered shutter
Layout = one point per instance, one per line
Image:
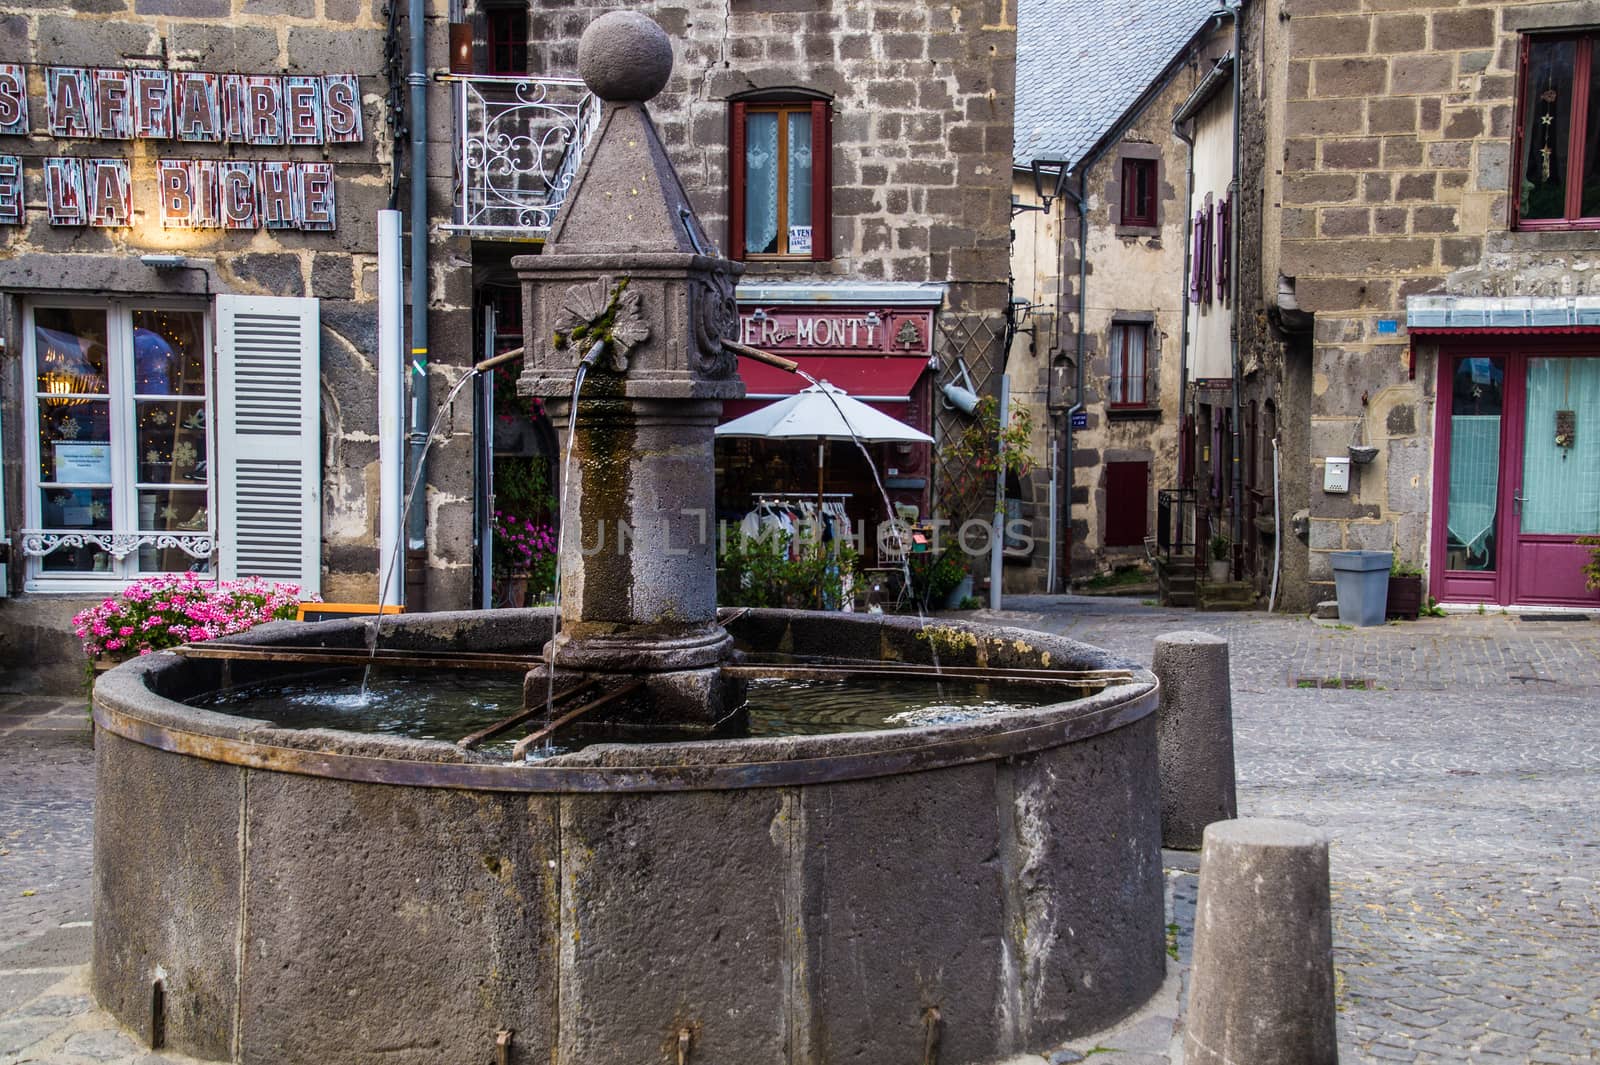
(269, 453)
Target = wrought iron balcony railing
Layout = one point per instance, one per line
(518, 144)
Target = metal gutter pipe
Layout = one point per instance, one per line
(1232, 8)
(1080, 200)
(1183, 304)
(417, 435)
(391, 405)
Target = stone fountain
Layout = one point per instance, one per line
(954, 893)
(630, 282)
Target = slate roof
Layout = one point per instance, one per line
(1082, 63)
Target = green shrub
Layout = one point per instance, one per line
(762, 571)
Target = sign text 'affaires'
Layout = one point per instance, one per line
(182, 107)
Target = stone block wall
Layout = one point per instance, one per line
(922, 101)
(1396, 136)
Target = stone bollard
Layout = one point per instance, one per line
(1194, 736)
(1262, 984)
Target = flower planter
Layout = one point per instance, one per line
(960, 592)
(1405, 597)
(1219, 570)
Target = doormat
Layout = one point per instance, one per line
(1553, 617)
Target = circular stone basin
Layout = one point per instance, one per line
(987, 887)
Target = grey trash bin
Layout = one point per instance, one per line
(1361, 580)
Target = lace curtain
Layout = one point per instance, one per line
(799, 184)
(1127, 369)
(761, 184)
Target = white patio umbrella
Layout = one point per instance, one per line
(823, 412)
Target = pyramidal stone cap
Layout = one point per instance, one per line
(624, 57)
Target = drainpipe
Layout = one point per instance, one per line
(1232, 8)
(417, 437)
(1183, 303)
(1080, 202)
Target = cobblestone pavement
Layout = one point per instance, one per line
(1460, 795)
(1458, 787)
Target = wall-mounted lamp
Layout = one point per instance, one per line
(164, 262)
(873, 319)
(759, 315)
(1046, 172)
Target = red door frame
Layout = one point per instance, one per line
(1513, 346)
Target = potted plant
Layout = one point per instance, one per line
(1221, 566)
(525, 557)
(936, 578)
(1405, 591)
(169, 609)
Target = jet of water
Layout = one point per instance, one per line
(374, 630)
(888, 506)
(561, 523)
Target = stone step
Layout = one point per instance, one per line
(1328, 608)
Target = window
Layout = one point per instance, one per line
(781, 180)
(1224, 249)
(119, 445)
(1558, 155)
(508, 40)
(1202, 253)
(1129, 341)
(1139, 192)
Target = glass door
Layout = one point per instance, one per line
(1471, 437)
(1557, 496)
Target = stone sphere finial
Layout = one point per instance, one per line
(624, 56)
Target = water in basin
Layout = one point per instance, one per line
(449, 704)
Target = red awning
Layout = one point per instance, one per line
(876, 380)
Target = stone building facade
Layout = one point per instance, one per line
(1405, 175)
(96, 316)
(1129, 170)
(915, 104)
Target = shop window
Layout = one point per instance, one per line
(1558, 161)
(120, 446)
(136, 467)
(1129, 382)
(781, 179)
(1127, 503)
(1139, 193)
(507, 29)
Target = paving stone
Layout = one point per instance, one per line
(100, 1044)
(17, 989)
(17, 1036)
(55, 948)
(57, 1006)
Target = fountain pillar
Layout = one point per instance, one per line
(629, 285)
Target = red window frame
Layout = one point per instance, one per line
(1582, 66)
(1139, 193)
(1119, 367)
(507, 32)
(821, 179)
